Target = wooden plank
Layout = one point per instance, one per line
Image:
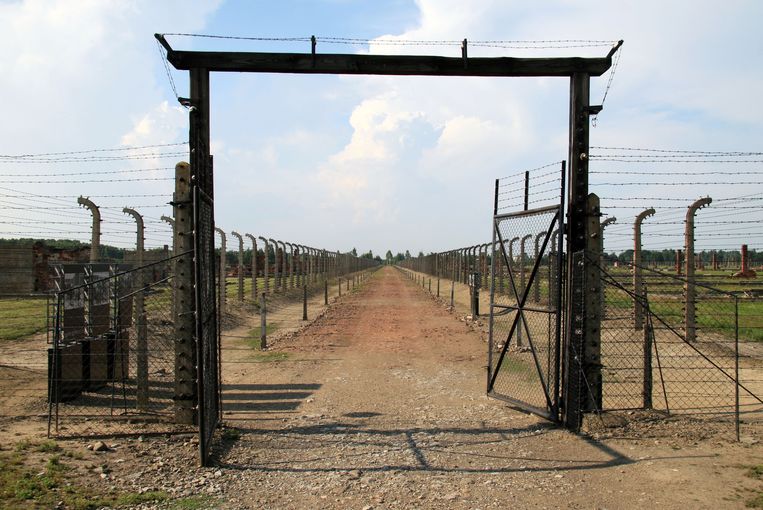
(408, 65)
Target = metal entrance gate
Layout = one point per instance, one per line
(525, 310)
(207, 340)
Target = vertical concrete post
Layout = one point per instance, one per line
(291, 264)
(240, 265)
(184, 397)
(511, 255)
(536, 284)
(141, 326)
(604, 224)
(263, 321)
(592, 305)
(171, 222)
(690, 295)
(277, 259)
(638, 284)
(95, 235)
(284, 266)
(222, 298)
(679, 262)
(266, 268)
(254, 266)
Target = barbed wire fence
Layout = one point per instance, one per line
(682, 320)
(89, 313)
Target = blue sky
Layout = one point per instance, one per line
(374, 162)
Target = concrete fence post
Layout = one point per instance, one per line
(263, 322)
(95, 235)
(240, 265)
(221, 298)
(141, 326)
(690, 295)
(638, 284)
(266, 268)
(536, 284)
(254, 266)
(184, 396)
(277, 259)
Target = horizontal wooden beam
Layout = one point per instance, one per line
(406, 65)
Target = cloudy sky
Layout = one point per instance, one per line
(374, 162)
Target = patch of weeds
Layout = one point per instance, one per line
(253, 338)
(755, 472)
(230, 434)
(268, 356)
(756, 502)
(135, 499)
(192, 503)
(47, 447)
(23, 445)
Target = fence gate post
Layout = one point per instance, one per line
(183, 298)
(582, 325)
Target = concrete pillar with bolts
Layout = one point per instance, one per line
(185, 386)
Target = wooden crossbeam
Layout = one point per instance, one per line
(405, 65)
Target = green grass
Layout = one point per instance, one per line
(755, 502)
(253, 337)
(192, 503)
(21, 318)
(268, 356)
(755, 472)
(23, 485)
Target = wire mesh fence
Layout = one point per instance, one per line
(111, 365)
(654, 359)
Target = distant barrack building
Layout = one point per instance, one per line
(25, 265)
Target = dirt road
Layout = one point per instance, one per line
(381, 404)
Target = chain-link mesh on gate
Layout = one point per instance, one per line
(207, 339)
(525, 310)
